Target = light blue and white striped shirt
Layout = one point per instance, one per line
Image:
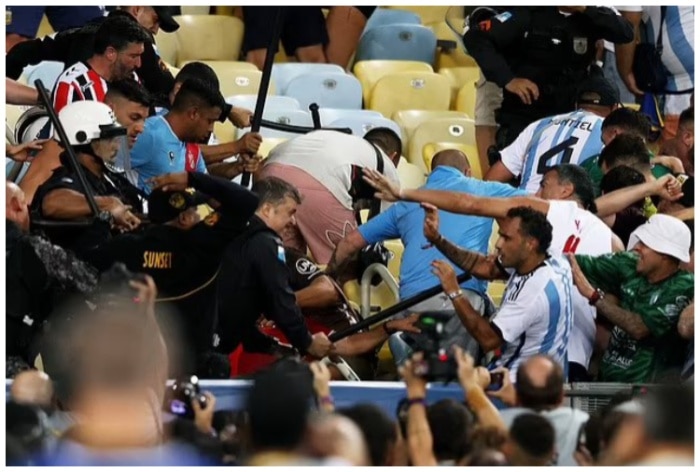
(536, 316)
(570, 138)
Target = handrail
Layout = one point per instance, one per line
(366, 285)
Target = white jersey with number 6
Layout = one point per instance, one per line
(578, 231)
(571, 138)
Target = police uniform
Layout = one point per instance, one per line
(551, 49)
(254, 280)
(81, 239)
(184, 263)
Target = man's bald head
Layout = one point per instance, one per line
(540, 383)
(451, 158)
(333, 435)
(16, 206)
(32, 387)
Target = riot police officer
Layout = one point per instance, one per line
(539, 55)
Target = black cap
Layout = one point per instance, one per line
(597, 91)
(165, 19)
(166, 206)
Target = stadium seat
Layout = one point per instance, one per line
(209, 37)
(408, 121)
(287, 117)
(326, 89)
(391, 16)
(465, 101)
(395, 246)
(460, 77)
(272, 102)
(398, 42)
(381, 297)
(410, 90)
(439, 130)
(167, 46)
(369, 72)
(427, 14)
(454, 57)
(410, 175)
(360, 125)
(329, 115)
(236, 77)
(47, 71)
(12, 114)
(469, 150)
(268, 145)
(194, 10)
(283, 74)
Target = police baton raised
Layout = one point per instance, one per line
(391, 311)
(265, 80)
(46, 101)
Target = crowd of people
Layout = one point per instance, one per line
(135, 255)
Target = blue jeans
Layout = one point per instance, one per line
(610, 73)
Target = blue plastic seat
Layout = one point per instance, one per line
(398, 42)
(360, 125)
(390, 16)
(283, 74)
(335, 90)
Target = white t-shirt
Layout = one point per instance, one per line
(578, 231)
(567, 138)
(327, 156)
(536, 315)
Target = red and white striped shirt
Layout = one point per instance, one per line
(78, 82)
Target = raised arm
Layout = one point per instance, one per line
(666, 187)
(455, 202)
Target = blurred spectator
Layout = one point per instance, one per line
(33, 388)
(336, 440)
(543, 144)
(487, 458)
(624, 222)
(303, 33)
(25, 424)
(169, 143)
(20, 94)
(254, 281)
(278, 422)
(327, 177)
(92, 129)
(677, 33)
(539, 388)
(380, 432)
(232, 429)
(345, 25)
(77, 44)
(119, 43)
(530, 442)
(682, 143)
(652, 290)
(450, 171)
(38, 276)
(451, 424)
(24, 20)
(686, 328)
(182, 252)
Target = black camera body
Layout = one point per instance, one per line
(439, 363)
(179, 397)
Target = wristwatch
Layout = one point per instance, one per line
(597, 296)
(454, 295)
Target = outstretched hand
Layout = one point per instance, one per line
(386, 190)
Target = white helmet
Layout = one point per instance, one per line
(30, 124)
(88, 120)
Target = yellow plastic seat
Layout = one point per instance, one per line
(495, 290)
(408, 121)
(439, 130)
(237, 78)
(465, 101)
(168, 46)
(209, 37)
(194, 10)
(380, 297)
(12, 114)
(369, 72)
(460, 77)
(469, 150)
(268, 144)
(410, 90)
(410, 175)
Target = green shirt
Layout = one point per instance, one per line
(659, 305)
(596, 173)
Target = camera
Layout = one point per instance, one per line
(179, 397)
(439, 363)
(496, 382)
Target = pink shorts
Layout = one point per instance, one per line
(322, 221)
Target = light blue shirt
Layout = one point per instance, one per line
(159, 151)
(405, 220)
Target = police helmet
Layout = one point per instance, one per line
(88, 120)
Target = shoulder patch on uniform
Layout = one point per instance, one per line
(503, 17)
(485, 25)
(280, 254)
(212, 219)
(306, 267)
